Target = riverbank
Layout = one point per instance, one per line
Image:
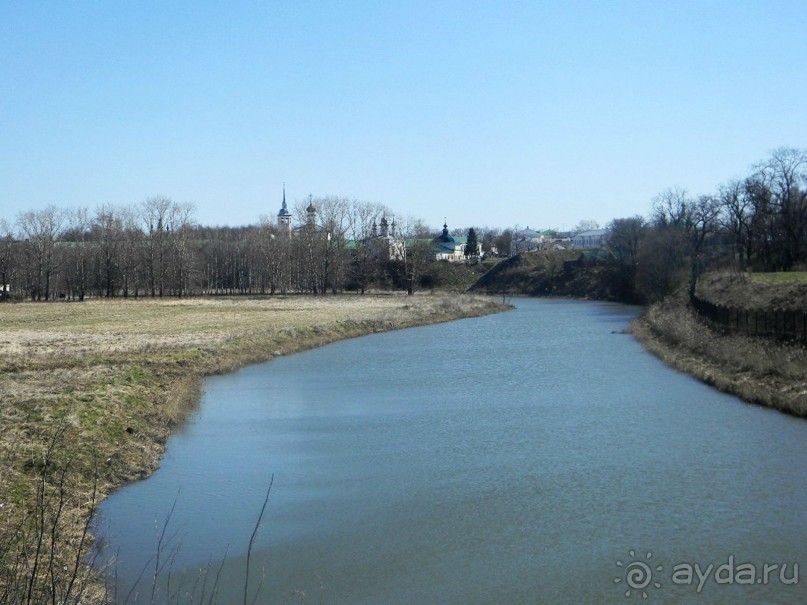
(757, 370)
(91, 392)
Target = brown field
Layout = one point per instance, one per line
(90, 392)
(134, 326)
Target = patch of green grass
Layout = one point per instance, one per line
(136, 401)
(780, 277)
(491, 262)
(137, 375)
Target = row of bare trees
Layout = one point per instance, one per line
(758, 222)
(127, 251)
(156, 249)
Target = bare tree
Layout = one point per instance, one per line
(626, 233)
(693, 219)
(41, 230)
(673, 208)
(586, 225)
(7, 260)
(309, 246)
(662, 263)
(738, 218)
(333, 217)
(362, 221)
(503, 242)
(266, 249)
(419, 253)
(518, 241)
(764, 232)
(180, 224)
(704, 219)
(109, 238)
(78, 259)
(154, 215)
(280, 265)
(130, 252)
(784, 174)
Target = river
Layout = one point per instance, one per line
(534, 456)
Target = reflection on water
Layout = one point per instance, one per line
(515, 458)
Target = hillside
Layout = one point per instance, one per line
(582, 274)
(454, 277)
(786, 290)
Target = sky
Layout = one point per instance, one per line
(497, 113)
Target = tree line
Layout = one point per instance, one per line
(757, 223)
(156, 249)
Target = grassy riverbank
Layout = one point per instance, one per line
(90, 392)
(758, 370)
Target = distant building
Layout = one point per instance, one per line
(449, 247)
(525, 240)
(382, 242)
(284, 216)
(529, 240)
(591, 239)
(284, 223)
(310, 214)
(385, 242)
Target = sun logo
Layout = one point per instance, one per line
(638, 574)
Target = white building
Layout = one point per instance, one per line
(525, 240)
(386, 242)
(450, 247)
(593, 238)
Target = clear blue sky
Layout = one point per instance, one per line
(487, 113)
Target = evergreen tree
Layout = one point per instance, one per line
(472, 246)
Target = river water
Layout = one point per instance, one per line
(534, 456)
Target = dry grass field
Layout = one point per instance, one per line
(148, 325)
(90, 392)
